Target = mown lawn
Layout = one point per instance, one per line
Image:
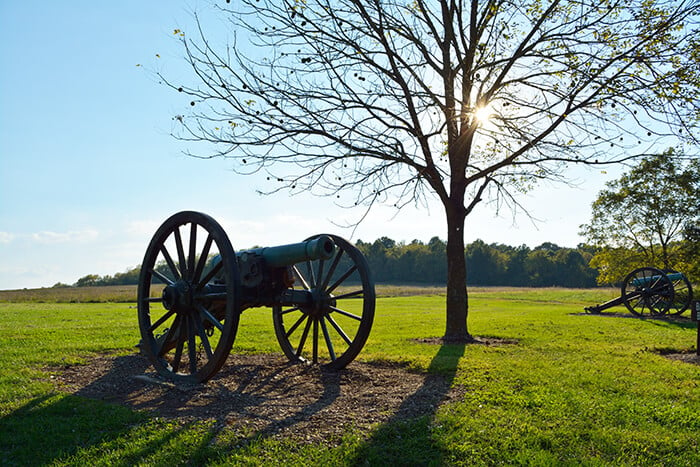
(569, 388)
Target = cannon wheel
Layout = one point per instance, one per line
(333, 328)
(647, 291)
(682, 294)
(188, 298)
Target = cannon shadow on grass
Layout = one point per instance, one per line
(682, 321)
(113, 400)
(111, 403)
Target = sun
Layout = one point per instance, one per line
(483, 114)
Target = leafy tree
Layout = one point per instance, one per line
(88, 280)
(538, 265)
(430, 262)
(690, 252)
(130, 276)
(640, 218)
(517, 274)
(393, 101)
(572, 269)
(548, 246)
(487, 265)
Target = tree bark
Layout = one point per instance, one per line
(457, 299)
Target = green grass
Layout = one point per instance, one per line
(575, 389)
(127, 293)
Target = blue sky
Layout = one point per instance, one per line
(88, 169)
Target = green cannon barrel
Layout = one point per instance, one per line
(285, 255)
(646, 281)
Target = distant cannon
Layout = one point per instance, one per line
(651, 291)
(193, 288)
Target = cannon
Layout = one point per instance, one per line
(651, 291)
(193, 287)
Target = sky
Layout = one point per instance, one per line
(89, 169)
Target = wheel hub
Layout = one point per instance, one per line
(178, 297)
(320, 304)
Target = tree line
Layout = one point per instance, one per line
(425, 263)
(487, 264)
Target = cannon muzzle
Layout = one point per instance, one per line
(285, 255)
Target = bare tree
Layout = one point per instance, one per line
(398, 100)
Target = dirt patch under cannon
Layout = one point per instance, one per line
(264, 395)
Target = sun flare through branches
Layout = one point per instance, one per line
(483, 114)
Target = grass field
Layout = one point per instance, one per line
(127, 294)
(568, 388)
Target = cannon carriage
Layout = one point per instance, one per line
(194, 286)
(651, 291)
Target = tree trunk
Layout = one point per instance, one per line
(457, 300)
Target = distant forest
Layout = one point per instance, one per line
(495, 264)
(420, 263)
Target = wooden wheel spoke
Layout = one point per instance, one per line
(634, 294)
(203, 336)
(332, 269)
(178, 356)
(354, 294)
(302, 341)
(339, 330)
(180, 252)
(319, 273)
(301, 277)
(314, 343)
(640, 305)
(191, 346)
(346, 313)
(658, 303)
(160, 321)
(210, 275)
(170, 335)
(193, 251)
(342, 279)
(312, 277)
(289, 310)
(327, 337)
(203, 258)
(171, 264)
(162, 277)
(296, 325)
(637, 302)
(209, 317)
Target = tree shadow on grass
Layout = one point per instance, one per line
(407, 440)
(56, 426)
